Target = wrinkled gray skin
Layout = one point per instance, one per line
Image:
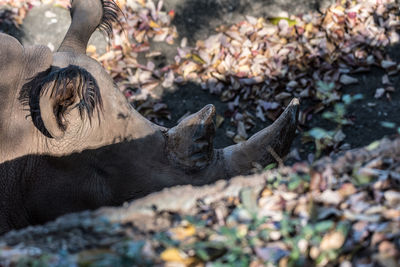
(105, 161)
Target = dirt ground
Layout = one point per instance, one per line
(196, 20)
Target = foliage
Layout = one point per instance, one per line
(325, 139)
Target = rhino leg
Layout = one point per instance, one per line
(190, 146)
(87, 16)
(190, 143)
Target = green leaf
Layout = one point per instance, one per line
(388, 124)
(248, 198)
(361, 180)
(202, 254)
(316, 239)
(294, 184)
(373, 145)
(323, 226)
(228, 232)
(347, 99)
(196, 58)
(270, 167)
(343, 227)
(308, 231)
(286, 225)
(295, 255)
(318, 133)
(340, 109)
(358, 97)
(328, 115)
(325, 87)
(276, 20)
(231, 257)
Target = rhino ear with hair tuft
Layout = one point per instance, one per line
(53, 95)
(110, 16)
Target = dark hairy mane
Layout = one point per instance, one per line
(67, 86)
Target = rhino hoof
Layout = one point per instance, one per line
(190, 143)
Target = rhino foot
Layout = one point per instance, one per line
(190, 143)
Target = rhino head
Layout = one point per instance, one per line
(70, 141)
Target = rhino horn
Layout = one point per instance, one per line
(190, 143)
(266, 146)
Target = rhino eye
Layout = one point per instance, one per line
(70, 87)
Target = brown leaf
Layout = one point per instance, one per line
(332, 240)
(347, 80)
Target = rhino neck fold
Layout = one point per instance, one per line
(77, 37)
(137, 127)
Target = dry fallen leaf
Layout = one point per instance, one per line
(332, 240)
(346, 79)
(175, 255)
(183, 232)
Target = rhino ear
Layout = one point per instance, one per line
(61, 99)
(52, 126)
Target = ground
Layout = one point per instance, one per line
(347, 205)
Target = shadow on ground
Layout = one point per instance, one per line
(196, 20)
(190, 98)
(366, 114)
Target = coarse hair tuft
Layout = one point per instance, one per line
(67, 86)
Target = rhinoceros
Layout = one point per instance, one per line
(70, 141)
